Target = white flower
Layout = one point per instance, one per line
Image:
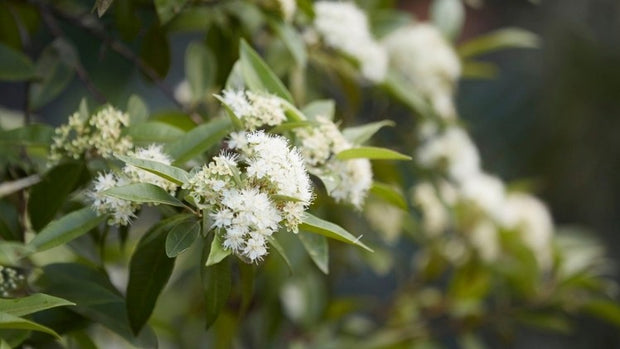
(387, 219)
(353, 179)
(531, 218)
(121, 211)
(421, 55)
(253, 109)
(435, 214)
(183, 92)
(486, 192)
(287, 8)
(344, 27)
(156, 153)
(453, 150)
(485, 240)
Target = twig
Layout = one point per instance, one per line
(82, 74)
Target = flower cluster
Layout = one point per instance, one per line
(421, 55)
(349, 180)
(10, 280)
(251, 193)
(254, 109)
(101, 134)
(123, 211)
(344, 26)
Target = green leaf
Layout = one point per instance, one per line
(181, 237)
(31, 304)
(50, 194)
(235, 77)
(127, 20)
(373, 153)
(448, 16)
(155, 50)
(154, 132)
(198, 140)
(216, 283)
(548, 322)
(66, 228)
(168, 172)
(498, 40)
(143, 192)
(167, 9)
(318, 249)
(218, 252)
(258, 76)
(175, 118)
(34, 134)
(200, 70)
(292, 40)
(479, 70)
(102, 6)
(360, 134)
(234, 119)
(11, 252)
(324, 107)
(137, 110)
(273, 242)
(8, 321)
(389, 194)
(149, 271)
(604, 309)
(14, 65)
(291, 125)
(247, 275)
(55, 66)
(317, 225)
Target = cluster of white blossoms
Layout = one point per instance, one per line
(123, 211)
(101, 134)
(255, 109)
(250, 194)
(349, 180)
(344, 27)
(10, 280)
(490, 207)
(428, 62)
(287, 8)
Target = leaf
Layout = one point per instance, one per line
(402, 90)
(373, 153)
(149, 271)
(34, 134)
(66, 228)
(11, 252)
(155, 50)
(360, 134)
(316, 225)
(258, 76)
(604, 309)
(218, 252)
(51, 193)
(448, 16)
(175, 118)
(127, 20)
(318, 249)
(198, 140)
(14, 65)
(167, 9)
(55, 66)
(498, 40)
(200, 70)
(31, 304)
(235, 77)
(324, 107)
(389, 194)
(137, 110)
(181, 237)
(216, 284)
(102, 6)
(479, 70)
(273, 242)
(8, 321)
(292, 40)
(154, 132)
(143, 192)
(247, 275)
(168, 172)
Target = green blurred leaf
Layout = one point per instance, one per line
(479, 70)
(50, 194)
(216, 283)
(200, 70)
(11, 252)
(373, 153)
(66, 228)
(14, 65)
(143, 192)
(102, 6)
(324, 107)
(33, 134)
(217, 253)
(199, 140)
(138, 110)
(280, 250)
(292, 40)
(154, 132)
(549, 322)
(448, 16)
(389, 194)
(258, 76)
(604, 309)
(402, 90)
(168, 172)
(127, 20)
(181, 237)
(9, 222)
(317, 225)
(361, 134)
(31, 304)
(498, 40)
(167, 9)
(155, 50)
(318, 249)
(55, 66)
(8, 321)
(175, 118)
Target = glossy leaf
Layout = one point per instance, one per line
(11, 252)
(389, 194)
(361, 134)
(31, 304)
(498, 40)
(372, 153)
(292, 40)
(199, 140)
(218, 252)
(168, 172)
(181, 237)
(154, 132)
(200, 70)
(14, 65)
(34, 134)
(258, 76)
(55, 66)
(8, 321)
(137, 110)
(167, 9)
(318, 249)
(317, 225)
(66, 228)
(216, 283)
(325, 108)
(280, 250)
(143, 192)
